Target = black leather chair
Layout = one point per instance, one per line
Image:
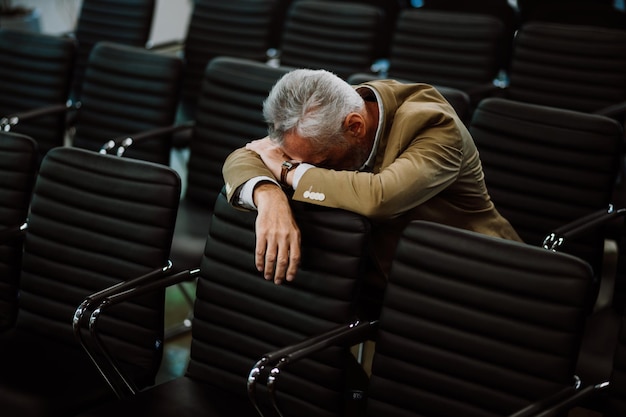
(238, 316)
(471, 325)
(121, 102)
(35, 74)
(574, 67)
(500, 9)
(18, 166)
(337, 36)
(95, 221)
(127, 91)
(126, 22)
(600, 13)
(444, 48)
(239, 28)
(391, 9)
(545, 167)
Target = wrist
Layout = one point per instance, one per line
(286, 173)
(266, 191)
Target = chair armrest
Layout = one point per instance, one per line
(564, 404)
(98, 302)
(7, 122)
(581, 226)
(343, 335)
(532, 410)
(123, 143)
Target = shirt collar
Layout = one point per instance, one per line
(369, 163)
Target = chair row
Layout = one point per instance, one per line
(556, 65)
(442, 43)
(521, 171)
(125, 90)
(99, 228)
(470, 325)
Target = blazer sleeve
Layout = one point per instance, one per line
(422, 171)
(241, 166)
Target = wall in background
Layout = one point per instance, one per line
(59, 16)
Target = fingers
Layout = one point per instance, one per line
(294, 260)
(277, 253)
(278, 260)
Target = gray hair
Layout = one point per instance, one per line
(312, 104)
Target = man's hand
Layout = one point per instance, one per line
(272, 155)
(277, 252)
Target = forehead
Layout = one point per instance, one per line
(301, 150)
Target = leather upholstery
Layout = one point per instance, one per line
(475, 325)
(568, 66)
(341, 37)
(238, 316)
(18, 165)
(545, 167)
(238, 28)
(95, 220)
(128, 90)
(500, 9)
(125, 22)
(36, 72)
(452, 49)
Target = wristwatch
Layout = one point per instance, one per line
(285, 168)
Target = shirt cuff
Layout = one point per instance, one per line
(245, 198)
(299, 172)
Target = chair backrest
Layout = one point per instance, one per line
(453, 49)
(127, 22)
(18, 165)
(568, 66)
(545, 167)
(127, 90)
(470, 327)
(97, 220)
(36, 72)
(337, 36)
(229, 115)
(238, 28)
(581, 12)
(239, 316)
(500, 9)
(391, 9)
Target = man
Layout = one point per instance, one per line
(392, 152)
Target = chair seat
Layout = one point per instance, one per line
(181, 397)
(61, 390)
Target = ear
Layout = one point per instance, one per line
(355, 124)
